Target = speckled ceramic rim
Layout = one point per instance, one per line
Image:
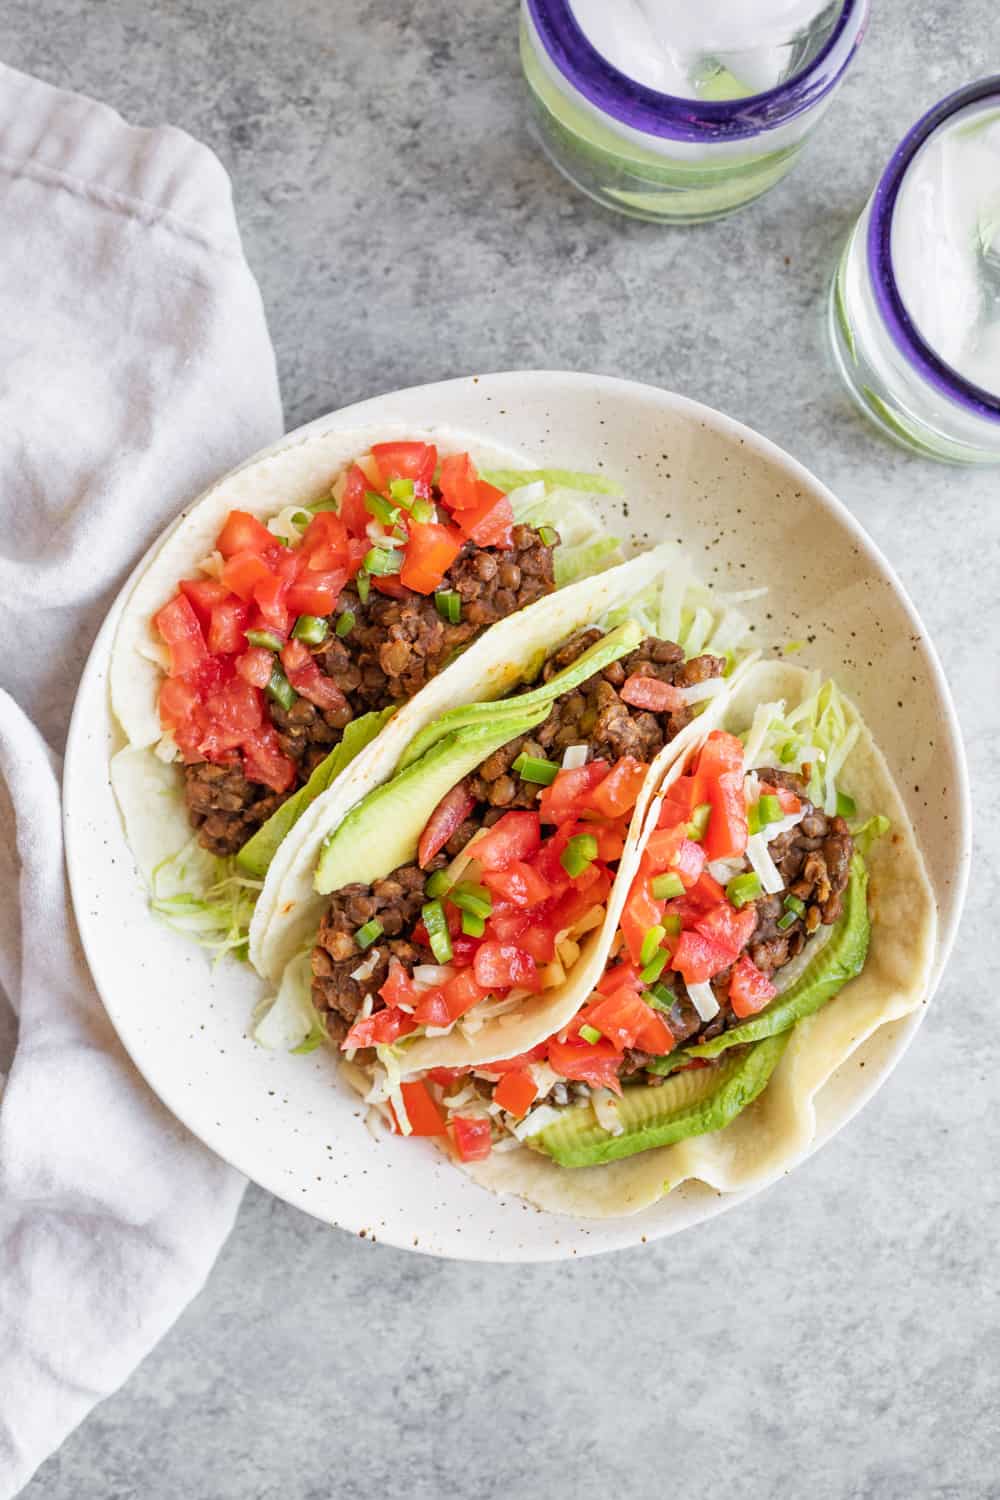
(880, 267)
(643, 108)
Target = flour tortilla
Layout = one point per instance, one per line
(775, 1132)
(150, 791)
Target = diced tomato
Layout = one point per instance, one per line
(463, 991)
(726, 834)
(619, 976)
(316, 593)
(444, 1076)
(179, 627)
(399, 987)
(381, 1028)
(449, 815)
(682, 797)
(697, 958)
(324, 544)
(516, 1092)
(352, 509)
(749, 988)
(243, 533)
(306, 678)
(432, 1009)
(662, 849)
(504, 966)
(519, 884)
(459, 482)
(264, 761)
(226, 632)
(627, 1021)
(270, 596)
(204, 594)
(616, 794)
(569, 794)
(689, 862)
(256, 665)
(243, 572)
(424, 1115)
(610, 839)
(391, 586)
(651, 694)
(515, 836)
(597, 1065)
(430, 552)
(178, 702)
(788, 801)
(473, 1137)
(416, 461)
(721, 754)
(640, 914)
(491, 521)
(512, 1064)
(731, 929)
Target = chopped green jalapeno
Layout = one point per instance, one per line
(266, 638)
(401, 491)
(786, 921)
(437, 883)
(366, 935)
(792, 903)
(381, 509)
(787, 752)
(548, 536)
(302, 518)
(363, 584)
(846, 806)
(666, 887)
(671, 924)
(472, 925)
(327, 503)
(345, 622)
(535, 768)
(422, 510)
(437, 930)
(699, 822)
(469, 897)
(280, 689)
(660, 997)
(381, 562)
(590, 1034)
(652, 971)
(449, 605)
(753, 818)
(651, 944)
(743, 888)
(580, 852)
(311, 628)
(769, 809)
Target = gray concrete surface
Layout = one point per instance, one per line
(837, 1337)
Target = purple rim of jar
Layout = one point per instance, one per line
(880, 268)
(643, 108)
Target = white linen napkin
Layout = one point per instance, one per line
(135, 366)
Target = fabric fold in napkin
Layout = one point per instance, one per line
(135, 366)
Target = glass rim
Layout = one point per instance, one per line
(892, 309)
(670, 115)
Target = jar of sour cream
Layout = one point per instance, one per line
(915, 303)
(680, 111)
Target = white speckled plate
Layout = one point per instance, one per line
(735, 500)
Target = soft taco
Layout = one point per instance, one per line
(771, 912)
(286, 619)
(436, 917)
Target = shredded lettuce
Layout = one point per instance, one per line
(564, 479)
(817, 734)
(583, 561)
(288, 1021)
(207, 898)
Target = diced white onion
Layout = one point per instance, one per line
(439, 1030)
(703, 999)
(606, 1109)
(455, 1101)
(535, 1120)
(432, 974)
(723, 870)
(772, 831)
(699, 691)
(470, 1025)
(764, 866)
(545, 1078)
(212, 565)
(166, 748)
(574, 757)
(367, 969)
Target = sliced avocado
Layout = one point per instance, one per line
(601, 654)
(691, 1103)
(840, 959)
(383, 831)
(256, 855)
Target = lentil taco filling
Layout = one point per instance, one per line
(512, 860)
(297, 635)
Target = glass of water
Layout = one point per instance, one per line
(682, 110)
(915, 303)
